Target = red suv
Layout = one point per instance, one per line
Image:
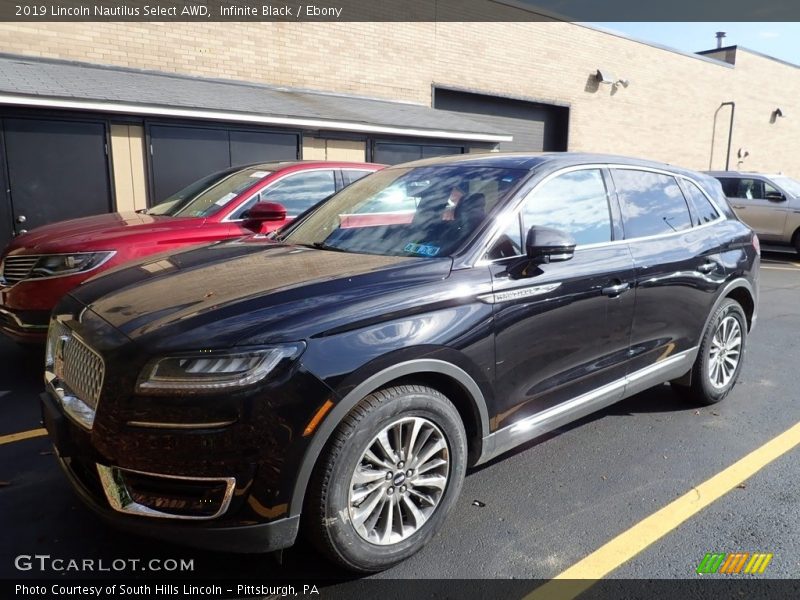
(39, 267)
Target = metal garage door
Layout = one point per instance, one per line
(536, 127)
(393, 153)
(56, 170)
(180, 155)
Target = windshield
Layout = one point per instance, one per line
(209, 195)
(423, 211)
(791, 186)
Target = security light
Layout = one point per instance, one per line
(603, 76)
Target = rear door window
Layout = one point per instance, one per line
(651, 203)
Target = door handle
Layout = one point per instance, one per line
(738, 206)
(613, 291)
(707, 267)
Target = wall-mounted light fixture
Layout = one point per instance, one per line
(777, 113)
(604, 76)
(622, 82)
(742, 154)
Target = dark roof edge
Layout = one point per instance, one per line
(187, 77)
(121, 107)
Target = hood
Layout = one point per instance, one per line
(250, 291)
(99, 232)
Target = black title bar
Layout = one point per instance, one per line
(397, 10)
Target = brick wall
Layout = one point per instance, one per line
(667, 112)
(324, 149)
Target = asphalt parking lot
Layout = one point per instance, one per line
(531, 514)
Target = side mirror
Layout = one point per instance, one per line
(545, 245)
(265, 211)
(774, 196)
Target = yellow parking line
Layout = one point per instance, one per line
(585, 573)
(24, 435)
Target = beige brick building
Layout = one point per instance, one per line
(532, 85)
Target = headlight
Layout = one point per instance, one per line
(211, 371)
(54, 265)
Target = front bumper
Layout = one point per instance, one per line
(261, 537)
(27, 327)
(84, 468)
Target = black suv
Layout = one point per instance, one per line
(344, 373)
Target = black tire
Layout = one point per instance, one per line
(329, 511)
(702, 389)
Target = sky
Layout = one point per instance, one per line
(780, 40)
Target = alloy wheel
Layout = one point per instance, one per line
(399, 481)
(725, 352)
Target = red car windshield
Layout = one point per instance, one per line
(209, 195)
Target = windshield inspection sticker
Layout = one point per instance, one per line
(422, 249)
(225, 199)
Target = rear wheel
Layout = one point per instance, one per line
(719, 359)
(390, 474)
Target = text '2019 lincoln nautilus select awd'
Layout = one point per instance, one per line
(340, 376)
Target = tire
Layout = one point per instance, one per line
(340, 522)
(710, 384)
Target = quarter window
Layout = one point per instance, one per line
(651, 203)
(702, 209)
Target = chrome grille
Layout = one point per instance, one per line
(79, 367)
(17, 268)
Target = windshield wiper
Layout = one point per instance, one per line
(324, 246)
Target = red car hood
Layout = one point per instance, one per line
(100, 232)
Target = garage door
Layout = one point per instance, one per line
(392, 153)
(56, 170)
(180, 155)
(536, 127)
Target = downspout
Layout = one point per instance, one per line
(730, 132)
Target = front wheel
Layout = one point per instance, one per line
(719, 359)
(389, 476)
